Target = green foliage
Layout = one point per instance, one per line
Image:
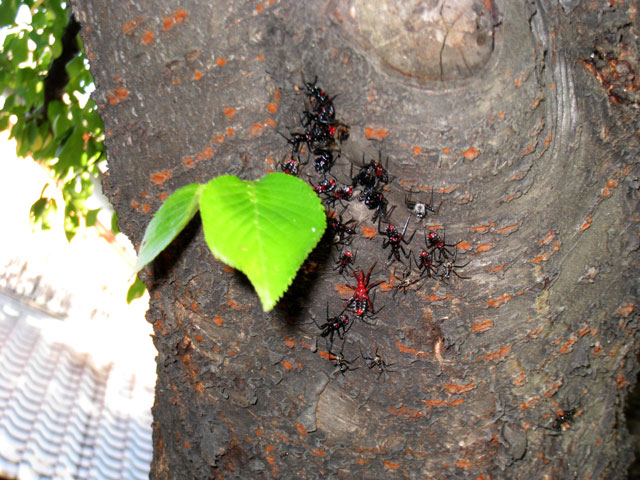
(67, 138)
(263, 228)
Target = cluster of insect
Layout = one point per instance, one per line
(319, 142)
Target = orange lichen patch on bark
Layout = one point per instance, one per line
(270, 458)
(547, 140)
(501, 114)
(206, 153)
(530, 148)
(229, 132)
(448, 189)
(495, 303)
(508, 229)
(470, 153)
(287, 365)
(375, 134)
(464, 464)
(464, 246)
(529, 403)
(270, 122)
(584, 331)
(218, 320)
(229, 112)
(605, 192)
(256, 129)
(120, 94)
(175, 81)
(586, 224)
(198, 338)
(519, 380)
(612, 183)
(446, 150)
(325, 355)
(416, 150)
(131, 25)
(228, 269)
(498, 268)
(625, 310)
(413, 351)
(362, 461)
(344, 290)
(290, 342)
(167, 23)
(482, 228)
(272, 107)
(160, 177)
(218, 139)
(163, 196)
(548, 238)
(435, 298)
(553, 389)
(147, 37)
(567, 345)
(317, 452)
(497, 355)
(440, 403)
(621, 382)
(391, 465)
(484, 247)
(453, 388)
(197, 75)
(180, 15)
(386, 287)
(146, 208)
(188, 162)
(221, 62)
(301, 430)
(235, 306)
(368, 232)
(482, 326)
(543, 257)
(409, 412)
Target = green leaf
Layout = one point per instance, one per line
(8, 10)
(114, 224)
(92, 217)
(265, 228)
(168, 222)
(136, 290)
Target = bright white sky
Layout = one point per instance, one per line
(95, 272)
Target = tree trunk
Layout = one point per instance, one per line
(521, 116)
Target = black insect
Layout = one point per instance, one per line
(342, 364)
(341, 232)
(315, 94)
(425, 264)
(406, 281)
(417, 208)
(370, 175)
(374, 200)
(449, 267)
(339, 325)
(297, 139)
(562, 418)
(360, 301)
(438, 247)
(378, 362)
(324, 160)
(345, 261)
(395, 239)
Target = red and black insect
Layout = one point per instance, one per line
(343, 193)
(395, 239)
(360, 301)
(339, 325)
(291, 166)
(425, 264)
(341, 232)
(345, 261)
(438, 247)
(417, 208)
(325, 186)
(449, 267)
(563, 418)
(377, 361)
(371, 174)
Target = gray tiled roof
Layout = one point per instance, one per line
(61, 416)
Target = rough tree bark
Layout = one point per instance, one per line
(522, 115)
